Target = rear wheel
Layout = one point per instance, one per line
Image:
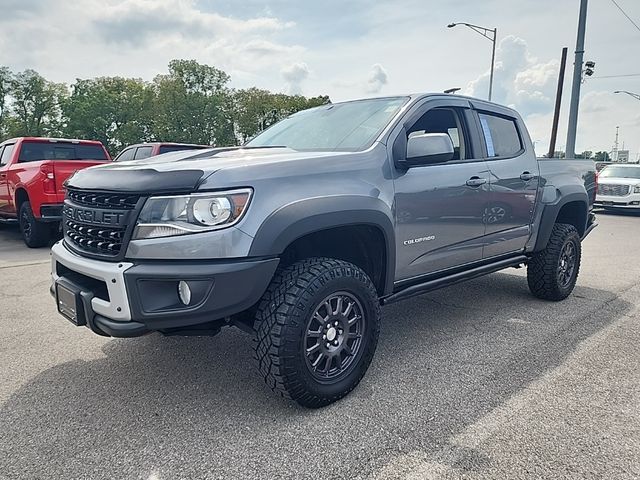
(35, 234)
(317, 328)
(553, 272)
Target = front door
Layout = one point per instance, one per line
(439, 208)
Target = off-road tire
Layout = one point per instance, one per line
(35, 234)
(282, 321)
(543, 267)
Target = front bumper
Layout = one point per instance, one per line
(631, 201)
(125, 299)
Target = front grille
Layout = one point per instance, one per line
(95, 231)
(613, 190)
(103, 200)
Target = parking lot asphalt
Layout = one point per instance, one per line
(479, 380)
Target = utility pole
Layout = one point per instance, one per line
(577, 80)
(556, 113)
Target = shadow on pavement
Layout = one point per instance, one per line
(195, 407)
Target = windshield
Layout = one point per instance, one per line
(620, 172)
(350, 126)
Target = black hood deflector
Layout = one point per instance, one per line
(137, 180)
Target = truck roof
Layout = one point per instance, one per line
(53, 140)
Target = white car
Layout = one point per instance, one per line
(619, 187)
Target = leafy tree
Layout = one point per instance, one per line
(5, 88)
(192, 105)
(602, 157)
(35, 105)
(114, 110)
(587, 154)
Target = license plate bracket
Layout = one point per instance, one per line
(69, 302)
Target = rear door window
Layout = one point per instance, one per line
(500, 135)
(143, 152)
(5, 155)
(35, 152)
(126, 155)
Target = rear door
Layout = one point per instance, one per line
(439, 207)
(514, 181)
(6, 152)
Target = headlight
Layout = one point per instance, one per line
(200, 212)
(636, 189)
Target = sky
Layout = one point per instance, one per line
(350, 49)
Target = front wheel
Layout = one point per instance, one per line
(34, 233)
(317, 328)
(552, 273)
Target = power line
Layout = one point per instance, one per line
(625, 14)
(617, 76)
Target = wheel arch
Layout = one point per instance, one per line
(573, 209)
(21, 195)
(326, 218)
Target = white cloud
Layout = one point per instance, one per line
(294, 75)
(378, 78)
(138, 38)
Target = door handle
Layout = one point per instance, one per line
(526, 176)
(476, 181)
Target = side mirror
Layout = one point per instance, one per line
(428, 148)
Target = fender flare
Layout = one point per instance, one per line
(295, 220)
(550, 214)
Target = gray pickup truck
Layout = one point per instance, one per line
(303, 233)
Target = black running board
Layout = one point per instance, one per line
(441, 282)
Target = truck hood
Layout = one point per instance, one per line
(183, 171)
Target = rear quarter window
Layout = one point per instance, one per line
(34, 152)
(501, 135)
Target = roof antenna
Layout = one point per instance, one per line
(452, 90)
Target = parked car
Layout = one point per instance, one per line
(145, 150)
(296, 237)
(32, 174)
(619, 187)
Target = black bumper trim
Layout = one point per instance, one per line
(51, 213)
(119, 329)
(234, 286)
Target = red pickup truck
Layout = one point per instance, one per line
(32, 175)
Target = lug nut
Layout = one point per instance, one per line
(335, 342)
(328, 344)
(336, 323)
(324, 337)
(340, 331)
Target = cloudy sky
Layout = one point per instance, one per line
(348, 49)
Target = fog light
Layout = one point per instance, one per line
(184, 292)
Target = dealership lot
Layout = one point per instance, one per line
(478, 380)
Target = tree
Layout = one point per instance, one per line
(587, 154)
(193, 105)
(5, 89)
(36, 105)
(602, 157)
(114, 110)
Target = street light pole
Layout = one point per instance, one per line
(634, 95)
(490, 34)
(577, 81)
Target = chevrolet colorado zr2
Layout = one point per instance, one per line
(300, 235)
